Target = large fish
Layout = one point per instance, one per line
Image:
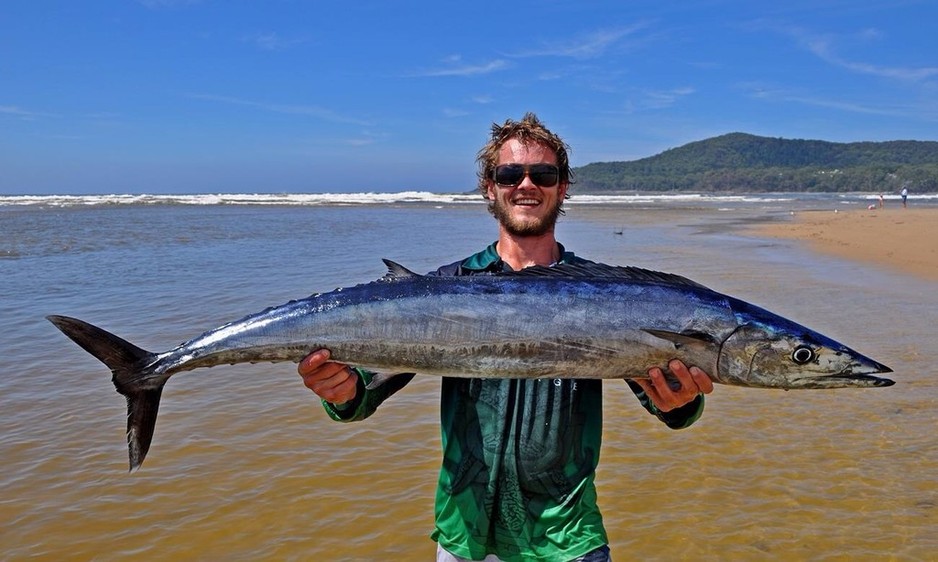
(571, 321)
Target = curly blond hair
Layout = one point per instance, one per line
(529, 130)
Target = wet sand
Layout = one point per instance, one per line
(896, 238)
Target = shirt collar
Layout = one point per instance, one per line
(488, 259)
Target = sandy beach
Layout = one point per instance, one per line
(901, 238)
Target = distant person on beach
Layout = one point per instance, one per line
(519, 455)
(905, 194)
(882, 202)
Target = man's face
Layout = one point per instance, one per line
(526, 209)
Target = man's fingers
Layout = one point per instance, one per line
(682, 374)
(312, 362)
(645, 384)
(704, 383)
(334, 382)
(664, 397)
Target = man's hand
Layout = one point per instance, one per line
(332, 381)
(693, 382)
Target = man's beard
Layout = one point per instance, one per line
(535, 227)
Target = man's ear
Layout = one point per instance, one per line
(490, 190)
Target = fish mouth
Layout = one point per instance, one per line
(865, 380)
(860, 375)
(846, 380)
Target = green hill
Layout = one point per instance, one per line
(748, 163)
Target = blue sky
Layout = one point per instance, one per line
(195, 96)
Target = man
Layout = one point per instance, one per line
(519, 456)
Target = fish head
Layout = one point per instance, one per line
(788, 356)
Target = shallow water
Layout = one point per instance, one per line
(245, 465)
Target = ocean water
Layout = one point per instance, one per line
(245, 465)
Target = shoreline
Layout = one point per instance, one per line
(904, 239)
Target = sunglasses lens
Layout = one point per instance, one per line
(509, 174)
(542, 175)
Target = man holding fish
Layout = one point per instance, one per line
(519, 455)
(522, 333)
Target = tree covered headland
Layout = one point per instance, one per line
(747, 163)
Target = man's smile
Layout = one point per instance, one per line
(526, 202)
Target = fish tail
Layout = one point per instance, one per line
(127, 363)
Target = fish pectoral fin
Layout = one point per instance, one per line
(394, 381)
(684, 339)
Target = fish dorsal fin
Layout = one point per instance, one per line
(586, 269)
(595, 270)
(397, 271)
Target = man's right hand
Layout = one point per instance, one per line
(332, 381)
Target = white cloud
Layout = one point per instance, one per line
(14, 110)
(590, 45)
(452, 112)
(905, 110)
(827, 48)
(273, 41)
(22, 113)
(456, 69)
(307, 110)
(658, 99)
(157, 4)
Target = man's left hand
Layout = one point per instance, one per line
(693, 381)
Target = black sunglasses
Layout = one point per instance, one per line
(542, 175)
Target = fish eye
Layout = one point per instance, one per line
(802, 354)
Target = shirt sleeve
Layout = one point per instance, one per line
(678, 418)
(366, 400)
